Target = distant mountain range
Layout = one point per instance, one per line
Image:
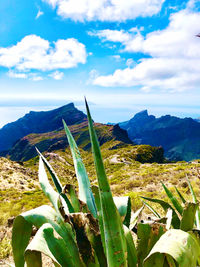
(45, 130)
(180, 138)
(39, 122)
(24, 149)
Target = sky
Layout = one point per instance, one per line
(123, 55)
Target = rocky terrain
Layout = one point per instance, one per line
(178, 137)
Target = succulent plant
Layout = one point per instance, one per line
(94, 228)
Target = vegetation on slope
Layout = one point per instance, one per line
(126, 176)
(24, 149)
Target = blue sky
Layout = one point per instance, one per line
(124, 56)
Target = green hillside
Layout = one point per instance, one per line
(20, 191)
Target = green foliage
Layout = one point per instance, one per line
(5, 248)
(88, 230)
(146, 153)
(13, 202)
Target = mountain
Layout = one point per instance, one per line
(24, 149)
(39, 122)
(180, 138)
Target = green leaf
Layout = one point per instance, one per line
(123, 205)
(132, 253)
(33, 258)
(148, 235)
(116, 250)
(195, 201)
(54, 247)
(181, 246)
(135, 216)
(73, 197)
(188, 217)
(38, 217)
(173, 199)
(85, 192)
(192, 191)
(95, 191)
(46, 187)
(151, 209)
(180, 195)
(166, 206)
(21, 234)
(45, 183)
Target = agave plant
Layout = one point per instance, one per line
(179, 208)
(93, 228)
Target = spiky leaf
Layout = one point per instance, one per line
(166, 206)
(85, 192)
(115, 243)
(188, 218)
(47, 188)
(173, 199)
(23, 226)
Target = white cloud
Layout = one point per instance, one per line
(130, 62)
(105, 10)
(20, 75)
(57, 75)
(13, 74)
(174, 52)
(117, 58)
(112, 35)
(39, 14)
(33, 52)
(35, 78)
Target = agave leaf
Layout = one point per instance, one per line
(166, 206)
(158, 261)
(73, 197)
(22, 228)
(132, 253)
(180, 245)
(85, 192)
(123, 205)
(180, 195)
(54, 247)
(188, 218)
(33, 259)
(173, 199)
(151, 209)
(195, 201)
(148, 235)
(21, 234)
(95, 191)
(116, 250)
(46, 187)
(195, 233)
(44, 180)
(135, 216)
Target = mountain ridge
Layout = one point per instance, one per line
(31, 123)
(179, 137)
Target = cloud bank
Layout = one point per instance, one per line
(173, 61)
(105, 10)
(36, 53)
